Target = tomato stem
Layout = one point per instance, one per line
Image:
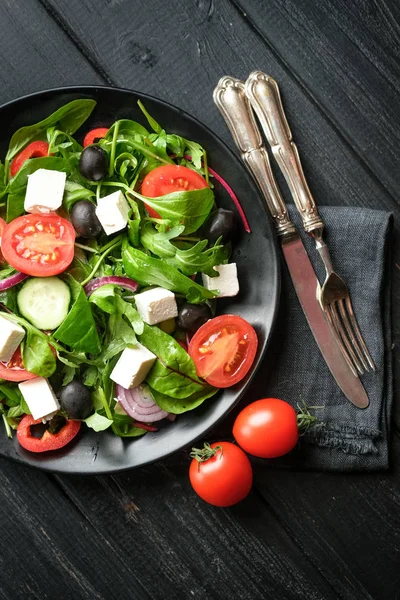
(305, 419)
(205, 453)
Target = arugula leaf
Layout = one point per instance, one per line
(12, 394)
(78, 329)
(190, 207)
(152, 122)
(74, 192)
(9, 299)
(196, 258)
(178, 406)
(154, 271)
(68, 118)
(107, 298)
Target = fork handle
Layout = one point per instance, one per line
(230, 98)
(263, 93)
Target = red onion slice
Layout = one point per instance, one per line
(136, 404)
(6, 284)
(125, 282)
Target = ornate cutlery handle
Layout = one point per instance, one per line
(231, 100)
(263, 93)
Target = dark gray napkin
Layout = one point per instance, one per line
(350, 439)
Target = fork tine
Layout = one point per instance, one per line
(333, 322)
(345, 338)
(345, 313)
(363, 350)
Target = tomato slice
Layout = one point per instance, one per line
(48, 441)
(34, 150)
(223, 350)
(14, 369)
(39, 245)
(167, 179)
(94, 135)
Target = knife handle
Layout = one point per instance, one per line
(231, 100)
(263, 93)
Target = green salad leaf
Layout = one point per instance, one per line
(155, 271)
(68, 119)
(78, 330)
(191, 208)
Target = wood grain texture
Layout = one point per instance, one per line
(33, 52)
(144, 534)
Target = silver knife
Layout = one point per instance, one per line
(232, 102)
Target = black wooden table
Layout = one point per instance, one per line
(144, 534)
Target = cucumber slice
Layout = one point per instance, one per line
(44, 301)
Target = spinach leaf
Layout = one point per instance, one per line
(3, 185)
(36, 353)
(68, 118)
(173, 373)
(15, 206)
(12, 394)
(154, 271)
(181, 405)
(18, 183)
(197, 258)
(78, 329)
(9, 299)
(191, 208)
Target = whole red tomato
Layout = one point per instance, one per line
(223, 476)
(267, 428)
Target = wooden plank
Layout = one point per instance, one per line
(35, 53)
(145, 535)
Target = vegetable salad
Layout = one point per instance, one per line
(136, 213)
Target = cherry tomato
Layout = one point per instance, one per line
(2, 225)
(224, 476)
(14, 369)
(39, 245)
(223, 350)
(48, 441)
(95, 134)
(167, 179)
(267, 428)
(34, 150)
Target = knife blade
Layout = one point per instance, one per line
(231, 100)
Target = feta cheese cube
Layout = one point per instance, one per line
(133, 366)
(45, 190)
(40, 398)
(11, 335)
(112, 212)
(156, 305)
(226, 282)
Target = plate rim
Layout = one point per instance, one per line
(19, 459)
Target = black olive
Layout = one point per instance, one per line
(93, 163)
(221, 223)
(193, 316)
(76, 400)
(84, 219)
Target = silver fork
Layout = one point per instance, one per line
(263, 93)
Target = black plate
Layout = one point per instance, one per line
(255, 255)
